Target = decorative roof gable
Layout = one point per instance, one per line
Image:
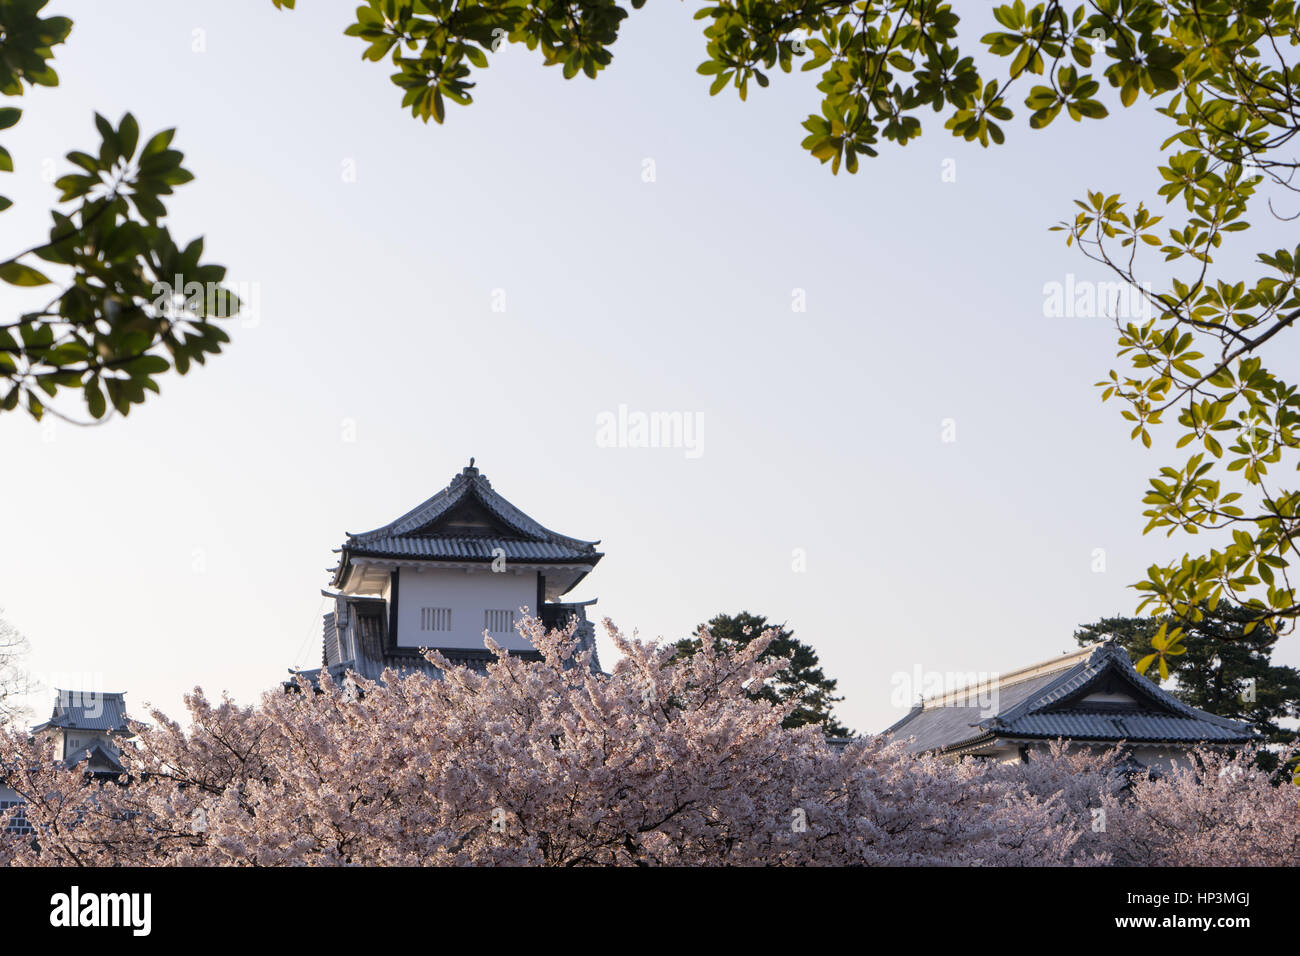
(1094, 695)
(468, 521)
(1064, 709)
(99, 759)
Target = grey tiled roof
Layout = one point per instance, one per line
(460, 548)
(1124, 727)
(1045, 705)
(937, 727)
(415, 534)
(87, 710)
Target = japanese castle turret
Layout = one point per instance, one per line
(89, 726)
(457, 567)
(85, 726)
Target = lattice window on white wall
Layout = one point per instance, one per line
(499, 622)
(18, 821)
(435, 619)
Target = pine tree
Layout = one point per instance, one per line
(803, 680)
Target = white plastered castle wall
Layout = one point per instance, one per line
(467, 594)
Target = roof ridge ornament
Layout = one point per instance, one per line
(1111, 645)
(467, 473)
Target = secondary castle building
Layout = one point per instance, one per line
(456, 567)
(89, 726)
(1093, 697)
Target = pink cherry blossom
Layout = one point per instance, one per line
(662, 762)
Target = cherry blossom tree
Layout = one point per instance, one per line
(14, 680)
(662, 762)
(1222, 811)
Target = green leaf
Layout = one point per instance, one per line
(15, 273)
(158, 143)
(147, 365)
(95, 402)
(128, 135)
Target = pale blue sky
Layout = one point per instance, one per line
(187, 544)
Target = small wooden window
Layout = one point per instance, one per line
(435, 619)
(499, 622)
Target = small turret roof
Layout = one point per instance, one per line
(87, 710)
